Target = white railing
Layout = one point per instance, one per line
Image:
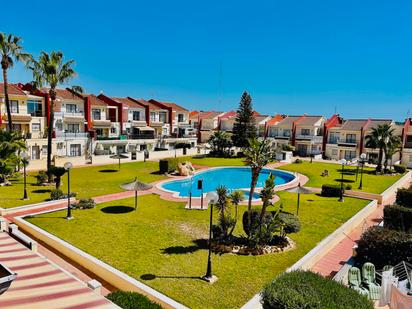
(68, 114)
(315, 138)
(60, 134)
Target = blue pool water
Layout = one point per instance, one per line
(232, 177)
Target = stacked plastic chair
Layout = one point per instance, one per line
(354, 278)
(369, 280)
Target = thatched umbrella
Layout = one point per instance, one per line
(136, 186)
(119, 156)
(299, 190)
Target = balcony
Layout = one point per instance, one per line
(68, 114)
(348, 143)
(71, 135)
(142, 136)
(314, 138)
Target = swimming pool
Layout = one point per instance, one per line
(233, 178)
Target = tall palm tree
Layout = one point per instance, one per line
(378, 139)
(258, 154)
(50, 70)
(10, 50)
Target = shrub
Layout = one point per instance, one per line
(132, 300)
(348, 187)
(399, 168)
(58, 172)
(86, 203)
(298, 161)
(56, 194)
(382, 246)
(41, 177)
(168, 165)
(305, 289)
(254, 219)
(331, 190)
(398, 218)
(291, 223)
(404, 197)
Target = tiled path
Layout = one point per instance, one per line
(40, 284)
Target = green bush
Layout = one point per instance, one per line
(41, 177)
(254, 219)
(86, 203)
(331, 190)
(348, 187)
(399, 168)
(291, 222)
(382, 246)
(58, 172)
(398, 218)
(305, 289)
(298, 161)
(168, 165)
(404, 197)
(56, 194)
(132, 300)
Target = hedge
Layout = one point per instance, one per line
(399, 168)
(132, 300)
(168, 165)
(404, 197)
(382, 246)
(305, 289)
(398, 218)
(331, 190)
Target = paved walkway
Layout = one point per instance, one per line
(42, 284)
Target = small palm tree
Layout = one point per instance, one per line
(50, 70)
(10, 51)
(221, 143)
(378, 139)
(267, 194)
(393, 146)
(258, 155)
(235, 198)
(11, 143)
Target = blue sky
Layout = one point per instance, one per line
(292, 56)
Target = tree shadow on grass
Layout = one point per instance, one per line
(345, 180)
(148, 277)
(117, 209)
(41, 191)
(108, 171)
(198, 244)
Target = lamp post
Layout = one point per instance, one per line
(311, 151)
(68, 166)
(212, 198)
(25, 158)
(362, 161)
(343, 161)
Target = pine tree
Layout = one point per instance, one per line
(244, 126)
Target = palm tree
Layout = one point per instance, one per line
(267, 194)
(235, 198)
(393, 146)
(10, 50)
(50, 70)
(11, 143)
(378, 139)
(221, 143)
(258, 154)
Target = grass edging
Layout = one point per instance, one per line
(7, 211)
(108, 273)
(314, 255)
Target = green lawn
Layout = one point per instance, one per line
(371, 183)
(85, 181)
(160, 239)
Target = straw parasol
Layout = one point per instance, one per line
(136, 186)
(299, 190)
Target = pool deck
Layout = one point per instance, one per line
(41, 283)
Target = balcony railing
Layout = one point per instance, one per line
(348, 143)
(69, 114)
(141, 136)
(71, 135)
(315, 138)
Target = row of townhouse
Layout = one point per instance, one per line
(86, 124)
(311, 135)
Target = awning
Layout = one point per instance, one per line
(156, 124)
(20, 118)
(139, 123)
(102, 123)
(146, 128)
(73, 119)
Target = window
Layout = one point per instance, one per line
(136, 115)
(35, 127)
(35, 152)
(14, 106)
(71, 108)
(152, 116)
(44, 150)
(305, 131)
(162, 117)
(99, 132)
(73, 127)
(334, 152)
(35, 108)
(351, 138)
(75, 150)
(180, 118)
(350, 154)
(113, 130)
(286, 132)
(96, 114)
(333, 138)
(274, 132)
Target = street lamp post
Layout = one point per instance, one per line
(68, 166)
(362, 161)
(343, 161)
(212, 198)
(311, 151)
(25, 158)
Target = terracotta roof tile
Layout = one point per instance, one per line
(12, 89)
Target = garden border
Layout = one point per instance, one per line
(8, 211)
(108, 273)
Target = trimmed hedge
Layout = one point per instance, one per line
(331, 190)
(404, 197)
(382, 246)
(132, 300)
(399, 168)
(305, 289)
(168, 165)
(398, 218)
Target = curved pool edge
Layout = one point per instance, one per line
(176, 195)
